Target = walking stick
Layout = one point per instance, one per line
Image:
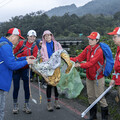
(95, 102)
(30, 89)
(39, 90)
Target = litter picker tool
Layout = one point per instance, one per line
(30, 89)
(96, 101)
(39, 90)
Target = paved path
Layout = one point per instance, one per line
(39, 111)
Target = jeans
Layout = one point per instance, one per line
(17, 75)
(2, 104)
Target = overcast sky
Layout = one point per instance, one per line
(12, 8)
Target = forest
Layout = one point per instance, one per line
(66, 26)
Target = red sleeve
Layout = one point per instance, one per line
(35, 51)
(19, 45)
(98, 55)
(82, 56)
(114, 77)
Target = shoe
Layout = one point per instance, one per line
(26, 108)
(49, 107)
(56, 105)
(15, 109)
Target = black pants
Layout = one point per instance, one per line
(49, 91)
(17, 75)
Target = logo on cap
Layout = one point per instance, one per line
(32, 32)
(94, 35)
(116, 31)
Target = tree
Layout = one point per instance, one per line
(117, 16)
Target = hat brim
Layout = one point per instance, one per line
(21, 37)
(91, 37)
(112, 33)
(32, 35)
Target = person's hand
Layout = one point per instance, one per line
(77, 64)
(30, 61)
(30, 57)
(112, 82)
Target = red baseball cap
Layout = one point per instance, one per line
(15, 31)
(116, 31)
(94, 35)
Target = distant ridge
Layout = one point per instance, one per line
(60, 11)
(105, 7)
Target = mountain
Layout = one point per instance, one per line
(105, 7)
(60, 11)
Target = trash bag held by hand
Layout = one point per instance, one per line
(70, 84)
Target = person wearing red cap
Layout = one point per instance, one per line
(116, 75)
(8, 63)
(24, 48)
(95, 85)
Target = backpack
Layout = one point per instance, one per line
(107, 67)
(1, 44)
(24, 44)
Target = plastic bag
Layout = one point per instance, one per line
(70, 84)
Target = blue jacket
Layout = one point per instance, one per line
(8, 63)
(37, 43)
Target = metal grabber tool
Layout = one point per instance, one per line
(96, 101)
(35, 101)
(39, 90)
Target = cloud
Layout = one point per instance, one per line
(14, 8)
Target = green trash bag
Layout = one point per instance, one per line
(70, 84)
